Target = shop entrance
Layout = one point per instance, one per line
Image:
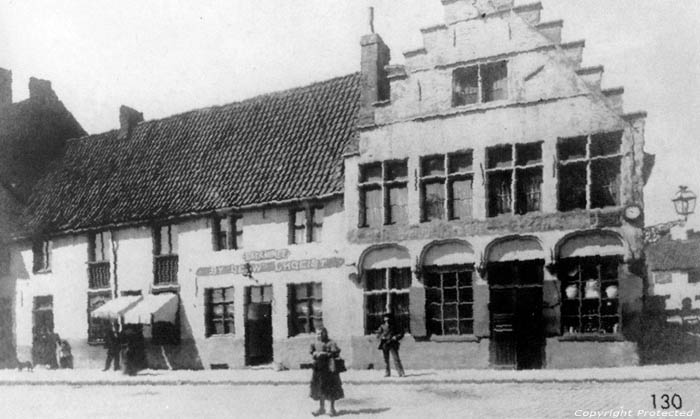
(517, 327)
(43, 338)
(258, 325)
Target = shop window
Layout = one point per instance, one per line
(41, 255)
(305, 225)
(663, 277)
(589, 171)
(227, 232)
(590, 303)
(98, 260)
(480, 83)
(305, 308)
(165, 255)
(97, 328)
(514, 178)
(449, 298)
(383, 193)
(387, 291)
(218, 306)
(446, 186)
(694, 276)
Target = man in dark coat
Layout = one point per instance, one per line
(113, 346)
(389, 336)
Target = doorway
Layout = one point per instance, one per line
(43, 337)
(258, 325)
(517, 327)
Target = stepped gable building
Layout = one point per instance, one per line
(487, 193)
(33, 133)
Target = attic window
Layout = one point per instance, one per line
(480, 83)
(41, 251)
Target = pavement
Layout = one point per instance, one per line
(268, 376)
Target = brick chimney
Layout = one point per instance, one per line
(374, 84)
(41, 90)
(5, 87)
(128, 119)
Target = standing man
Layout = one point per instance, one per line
(389, 336)
(113, 346)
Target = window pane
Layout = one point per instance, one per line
(451, 327)
(434, 200)
(317, 324)
(302, 308)
(466, 295)
(396, 170)
(465, 86)
(375, 279)
(450, 310)
(372, 207)
(606, 144)
(228, 294)
(316, 308)
(572, 186)
(317, 290)
(572, 148)
(300, 291)
(397, 204)
(499, 193)
(433, 166)
(605, 182)
(375, 303)
(431, 279)
(299, 235)
(217, 295)
(529, 186)
(434, 310)
(465, 311)
(317, 220)
(400, 278)
(494, 78)
(217, 311)
(461, 202)
(433, 294)
(466, 327)
(299, 218)
(371, 172)
(460, 162)
(527, 154)
(499, 156)
(449, 295)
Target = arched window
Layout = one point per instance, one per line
(386, 272)
(447, 275)
(588, 268)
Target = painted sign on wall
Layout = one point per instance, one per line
(272, 266)
(252, 255)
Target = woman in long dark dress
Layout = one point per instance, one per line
(325, 380)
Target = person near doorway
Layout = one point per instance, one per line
(390, 335)
(325, 380)
(64, 354)
(114, 346)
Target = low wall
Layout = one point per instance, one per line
(564, 354)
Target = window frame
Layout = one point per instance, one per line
(515, 169)
(481, 79)
(441, 271)
(391, 294)
(42, 256)
(588, 160)
(447, 178)
(97, 327)
(160, 258)
(293, 328)
(98, 264)
(210, 320)
(313, 223)
(581, 283)
(384, 184)
(232, 236)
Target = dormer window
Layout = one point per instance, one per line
(480, 83)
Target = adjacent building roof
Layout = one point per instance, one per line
(673, 255)
(269, 149)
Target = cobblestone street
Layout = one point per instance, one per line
(506, 400)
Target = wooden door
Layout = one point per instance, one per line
(258, 325)
(43, 338)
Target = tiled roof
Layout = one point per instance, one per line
(272, 148)
(673, 255)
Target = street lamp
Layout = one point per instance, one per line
(684, 202)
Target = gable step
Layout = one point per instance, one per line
(552, 30)
(530, 13)
(593, 76)
(613, 97)
(574, 52)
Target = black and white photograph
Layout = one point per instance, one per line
(349, 208)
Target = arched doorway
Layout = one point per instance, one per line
(514, 271)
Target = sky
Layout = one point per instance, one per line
(164, 57)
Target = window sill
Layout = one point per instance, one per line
(302, 336)
(454, 338)
(221, 336)
(100, 290)
(165, 288)
(592, 338)
(42, 272)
